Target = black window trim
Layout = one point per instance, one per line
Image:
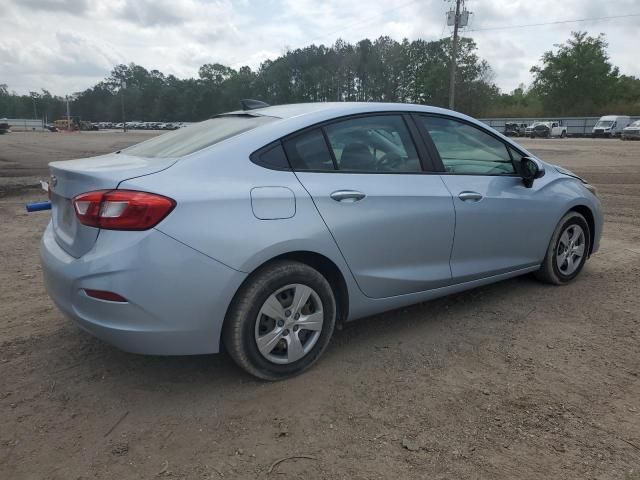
(427, 166)
(255, 157)
(439, 165)
(334, 160)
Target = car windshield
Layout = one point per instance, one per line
(604, 123)
(197, 136)
(635, 124)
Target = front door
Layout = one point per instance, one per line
(501, 225)
(393, 222)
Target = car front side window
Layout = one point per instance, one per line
(467, 150)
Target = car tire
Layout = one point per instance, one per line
(567, 251)
(276, 346)
(563, 134)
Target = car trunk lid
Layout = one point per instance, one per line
(73, 177)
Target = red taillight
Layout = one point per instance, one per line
(122, 209)
(105, 295)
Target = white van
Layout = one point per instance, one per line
(610, 126)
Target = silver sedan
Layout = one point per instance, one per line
(262, 229)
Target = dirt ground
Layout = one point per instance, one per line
(516, 380)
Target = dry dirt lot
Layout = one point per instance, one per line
(516, 380)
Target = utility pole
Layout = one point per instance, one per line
(35, 112)
(123, 85)
(458, 19)
(68, 114)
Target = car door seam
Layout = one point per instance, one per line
(455, 223)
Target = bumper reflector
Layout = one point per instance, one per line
(104, 295)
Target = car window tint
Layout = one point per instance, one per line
(373, 144)
(272, 156)
(197, 136)
(309, 151)
(465, 149)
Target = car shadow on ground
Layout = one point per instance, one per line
(74, 353)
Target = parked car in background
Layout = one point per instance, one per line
(513, 129)
(262, 229)
(546, 130)
(530, 130)
(610, 126)
(4, 127)
(632, 132)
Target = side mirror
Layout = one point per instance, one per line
(530, 169)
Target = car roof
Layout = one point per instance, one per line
(337, 109)
(298, 116)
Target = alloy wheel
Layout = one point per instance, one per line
(570, 249)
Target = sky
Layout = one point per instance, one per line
(66, 46)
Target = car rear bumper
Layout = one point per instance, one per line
(176, 297)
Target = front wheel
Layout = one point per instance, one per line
(567, 251)
(280, 321)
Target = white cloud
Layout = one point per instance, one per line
(69, 45)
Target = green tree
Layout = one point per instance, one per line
(578, 78)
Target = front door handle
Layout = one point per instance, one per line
(470, 196)
(347, 196)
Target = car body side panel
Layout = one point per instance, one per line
(510, 227)
(397, 239)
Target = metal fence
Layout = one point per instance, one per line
(576, 126)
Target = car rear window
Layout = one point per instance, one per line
(197, 136)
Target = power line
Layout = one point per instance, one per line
(559, 22)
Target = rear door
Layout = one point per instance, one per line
(501, 225)
(393, 222)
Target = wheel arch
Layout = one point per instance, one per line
(588, 216)
(319, 262)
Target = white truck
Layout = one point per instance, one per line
(610, 126)
(546, 130)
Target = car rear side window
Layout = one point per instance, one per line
(467, 150)
(309, 151)
(197, 136)
(272, 156)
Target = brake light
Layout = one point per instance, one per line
(122, 209)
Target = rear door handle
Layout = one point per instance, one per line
(470, 196)
(347, 196)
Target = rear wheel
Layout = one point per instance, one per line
(567, 251)
(280, 321)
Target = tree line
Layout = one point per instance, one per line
(576, 79)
